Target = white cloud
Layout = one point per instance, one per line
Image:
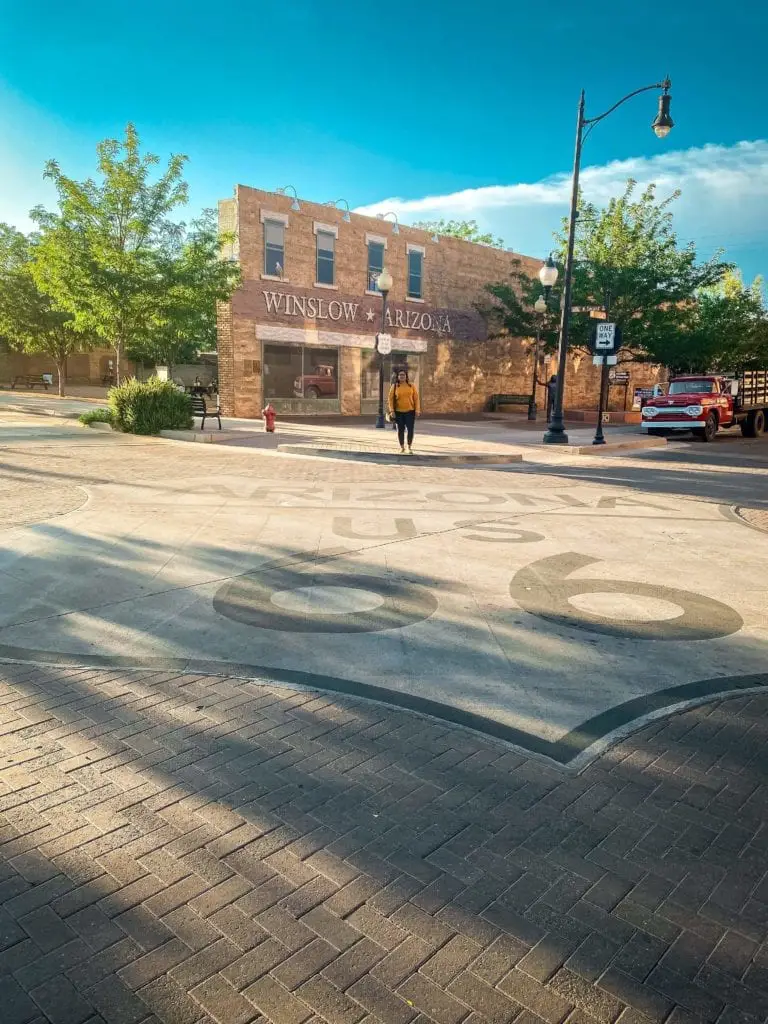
(724, 198)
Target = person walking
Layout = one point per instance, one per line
(405, 406)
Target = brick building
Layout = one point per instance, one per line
(300, 332)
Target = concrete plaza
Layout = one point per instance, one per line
(290, 738)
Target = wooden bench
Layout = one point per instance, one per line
(30, 380)
(496, 400)
(200, 408)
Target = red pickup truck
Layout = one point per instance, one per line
(705, 403)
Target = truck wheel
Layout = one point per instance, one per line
(311, 393)
(709, 431)
(754, 424)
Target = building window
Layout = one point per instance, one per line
(274, 248)
(299, 371)
(415, 273)
(375, 264)
(326, 243)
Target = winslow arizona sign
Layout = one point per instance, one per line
(312, 307)
(303, 307)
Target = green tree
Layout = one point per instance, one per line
(29, 319)
(627, 258)
(97, 255)
(466, 229)
(725, 330)
(191, 278)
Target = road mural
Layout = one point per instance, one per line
(550, 617)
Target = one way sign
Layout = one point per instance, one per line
(606, 339)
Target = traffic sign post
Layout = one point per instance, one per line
(384, 344)
(605, 341)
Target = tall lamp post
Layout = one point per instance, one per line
(548, 278)
(662, 125)
(384, 284)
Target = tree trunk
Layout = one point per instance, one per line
(118, 350)
(61, 370)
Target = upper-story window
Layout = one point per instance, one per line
(415, 272)
(326, 254)
(375, 263)
(274, 248)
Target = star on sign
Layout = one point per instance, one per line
(370, 315)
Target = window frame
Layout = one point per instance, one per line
(371, 287)
(276, 220)
(332, 231)
(420, 251)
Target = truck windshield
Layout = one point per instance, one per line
(686, 387)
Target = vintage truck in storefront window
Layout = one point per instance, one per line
(705, 403)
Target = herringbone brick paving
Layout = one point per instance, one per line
(184, 850)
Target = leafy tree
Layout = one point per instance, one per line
(29, 319)
(725, 329)
(191, 277)
(97, 256)
(627, 258)
(466, 229)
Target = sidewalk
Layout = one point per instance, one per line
(193, 849)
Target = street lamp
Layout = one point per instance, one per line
(384, 284)
(662, 125)
(548, 278)
(548, 273)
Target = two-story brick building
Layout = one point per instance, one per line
(300, 332)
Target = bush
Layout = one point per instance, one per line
(96, 416)
(147, 407)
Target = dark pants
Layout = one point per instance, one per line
(405, 421)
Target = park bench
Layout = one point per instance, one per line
(200, 408)
(31, 380)
(496, 400)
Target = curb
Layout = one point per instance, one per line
(199, 436)
(98, 426)
(601, 449)
(394, 458)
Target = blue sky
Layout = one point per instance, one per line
(426, 108)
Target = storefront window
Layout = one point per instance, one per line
(300, 371)
(369, 384)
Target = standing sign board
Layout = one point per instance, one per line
(384, 343)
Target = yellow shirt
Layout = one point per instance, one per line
(404, 398)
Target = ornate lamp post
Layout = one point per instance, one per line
(384, 284)
(662, 125)
(548, 278)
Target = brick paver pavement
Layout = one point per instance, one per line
(757, 517)
(192, 849)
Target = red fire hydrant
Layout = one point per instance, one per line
(270, 416)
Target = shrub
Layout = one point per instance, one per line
(96, 416)
(147, 407)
